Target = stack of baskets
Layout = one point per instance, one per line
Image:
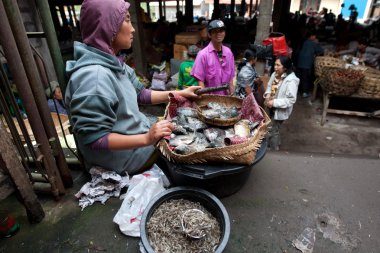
(243, 153)
(370, 86)
(322, 62)
(340, 81)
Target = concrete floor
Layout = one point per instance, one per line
(330, 185)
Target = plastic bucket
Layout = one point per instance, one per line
(205, 198)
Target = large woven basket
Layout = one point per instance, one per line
(243, 153)
(341, 82)
(322, 62)
(370, 86)
(227, 101)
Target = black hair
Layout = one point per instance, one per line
(249, 54)
(287, 63)
(310, 33)
(363, 41)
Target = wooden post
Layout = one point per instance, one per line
(326, 101)
(263, 28)
(9, 157)
(138, 43)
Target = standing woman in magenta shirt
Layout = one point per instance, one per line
(215, 65)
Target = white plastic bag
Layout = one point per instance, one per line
(142, 189)
(159, 80)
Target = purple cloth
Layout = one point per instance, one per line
(100, 21)
(60, 106)
(145, 96)
(100, 144)
(208, 69)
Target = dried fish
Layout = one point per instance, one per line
(199, 144)
(178, 140)
(178, 129)
(242, 128)
(165, 233)
(187, 111)
(196, 124)
(212, 133)
(210, 114)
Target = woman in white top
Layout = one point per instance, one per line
(280, 96)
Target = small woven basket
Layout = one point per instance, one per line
(243, 153)
(322, 62)
(341, 82)
(370, 86)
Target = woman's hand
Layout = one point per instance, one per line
(158, 131)
(189, 92)
(269, 103)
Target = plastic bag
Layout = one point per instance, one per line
(142, 188)
(279, 45)
(159, 80)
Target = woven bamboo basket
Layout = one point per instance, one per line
(243, 153)
(203, 101)
(370, 86)
(341, 82)
(322, 62)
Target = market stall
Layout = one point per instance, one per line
(337, 78)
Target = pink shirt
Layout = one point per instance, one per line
(208, 69)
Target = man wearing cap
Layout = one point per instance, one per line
(184, 77)
(215, 65)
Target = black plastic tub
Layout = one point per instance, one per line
(205, 198)
(220, 179)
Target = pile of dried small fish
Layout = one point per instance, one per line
(165, 232)
(217, 110)
(190, 134)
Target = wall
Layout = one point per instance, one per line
(333, 5)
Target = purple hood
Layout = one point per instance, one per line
(100, 20)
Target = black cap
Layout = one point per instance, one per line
(215, 24)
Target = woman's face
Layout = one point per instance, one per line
(58, 94)
(124, 37)
(278, 67)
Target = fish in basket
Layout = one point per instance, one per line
(196, 140)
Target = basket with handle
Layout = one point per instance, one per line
(242, 153)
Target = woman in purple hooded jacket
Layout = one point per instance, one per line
(103, 93)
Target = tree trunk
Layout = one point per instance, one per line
(9, 158)
(263, 28)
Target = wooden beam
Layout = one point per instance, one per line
(139, 56)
